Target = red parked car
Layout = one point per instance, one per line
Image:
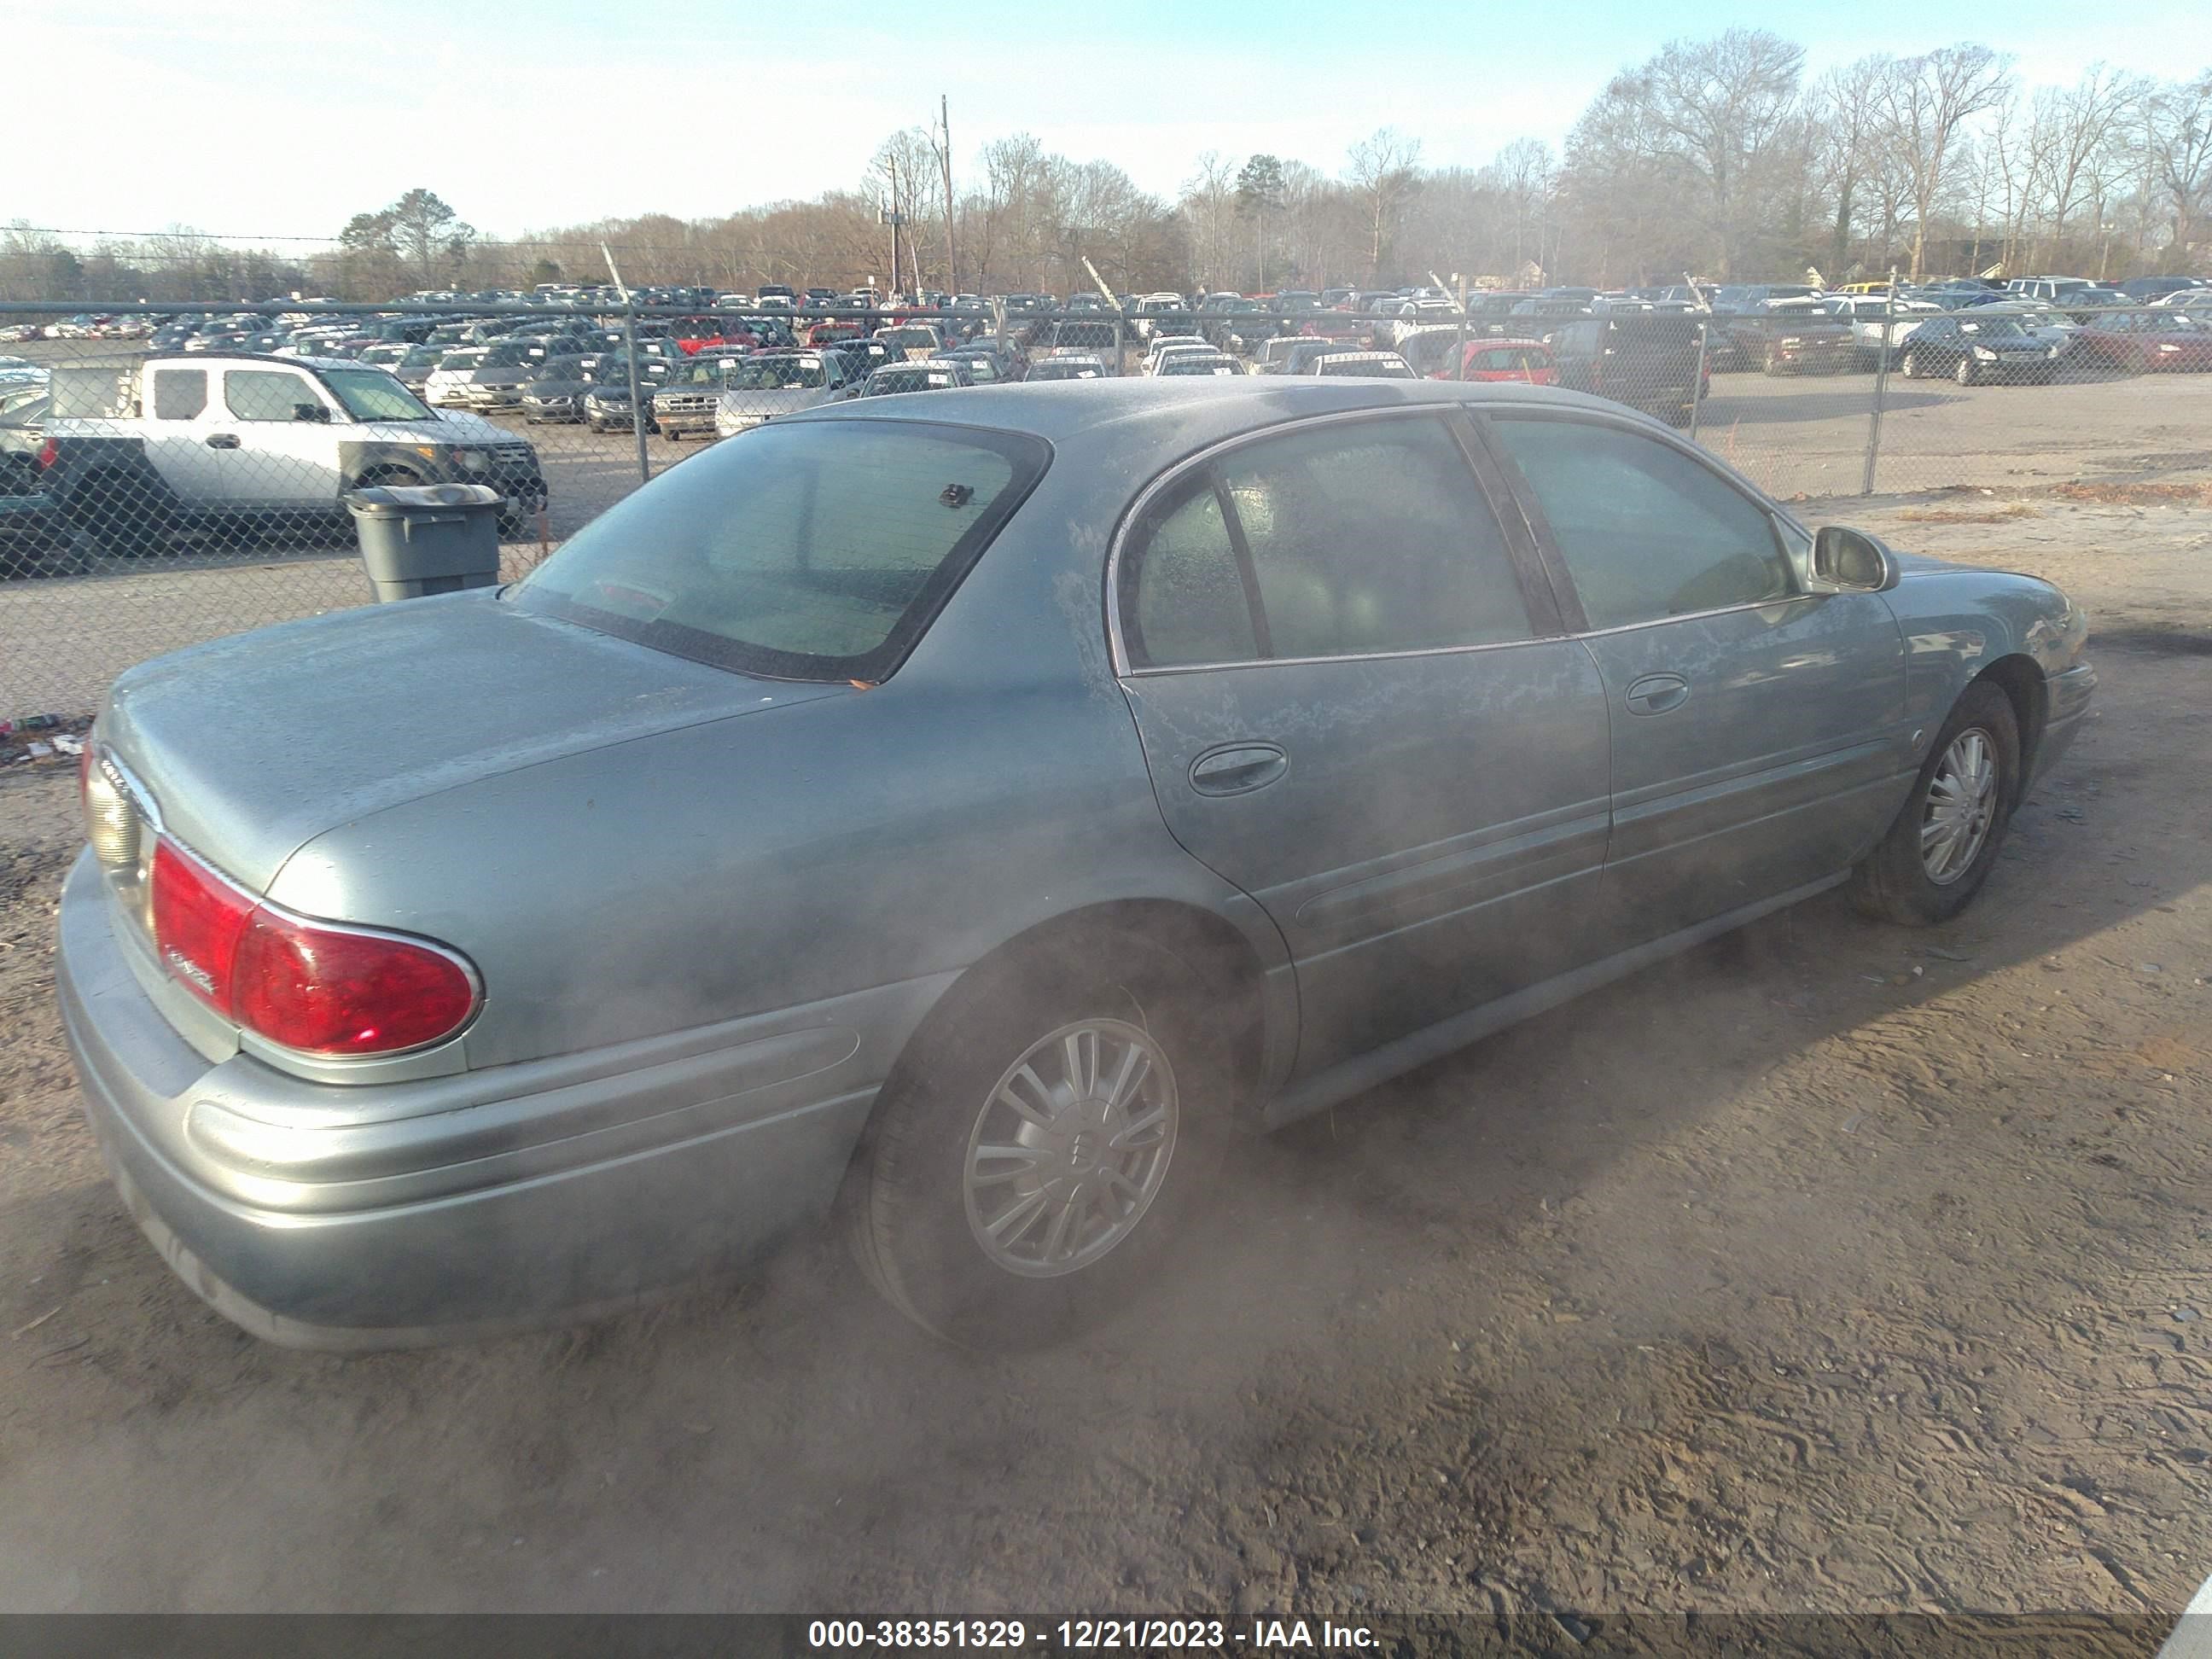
(2145, 341)
(1530, 361)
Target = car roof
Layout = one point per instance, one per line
(1155, 421)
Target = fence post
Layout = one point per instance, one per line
(640, 398)
(1697, 386)
(1120, 345)
(1459, 348)
(1880, 383)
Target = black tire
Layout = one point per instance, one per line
(1964, 374)
(1909, 366)
(907, 1206)
(1894, 883)
(1772, 365)
(127, 529)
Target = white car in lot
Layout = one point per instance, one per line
(454, 371)
(1365, 365)
(772, 383)
(1173, 342)
(1876, 320)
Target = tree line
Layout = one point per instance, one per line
(1720, 157)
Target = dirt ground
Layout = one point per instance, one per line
(1835, 1267)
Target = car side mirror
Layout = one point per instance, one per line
(313, 412)
(1851, 561)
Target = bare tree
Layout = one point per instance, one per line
(1382, 169)
(1845, 124)
(2180, 138)
(1925, 101)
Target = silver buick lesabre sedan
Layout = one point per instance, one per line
(959, 814)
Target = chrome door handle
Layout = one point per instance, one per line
(1654, 693)
(1237, 768)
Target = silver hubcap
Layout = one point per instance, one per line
(1962, 803)
(1071, 1148)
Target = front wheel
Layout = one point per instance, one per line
(1909, 366)
(1964, 375)
(1937, 855)
(1050, 1131)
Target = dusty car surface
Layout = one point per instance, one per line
(962, 812)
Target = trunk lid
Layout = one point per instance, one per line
(254, 744)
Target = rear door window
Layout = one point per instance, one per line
(1358, 538)
(181, 394)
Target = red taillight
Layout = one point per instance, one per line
(198, 918)
(319, 988)
(331, 991)
(47, 452)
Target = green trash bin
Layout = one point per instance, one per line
(427, 539)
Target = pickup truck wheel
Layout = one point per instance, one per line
(119, 524)
(1038, 1149)
(1936, 855)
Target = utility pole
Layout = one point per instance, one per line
(892, 215)
(945, 162)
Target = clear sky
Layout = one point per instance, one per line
(256, 119)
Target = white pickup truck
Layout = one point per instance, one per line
(236, 444)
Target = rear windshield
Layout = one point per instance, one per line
(811, 551)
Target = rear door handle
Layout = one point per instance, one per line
(1236, 769)
(1654, 693)
(222, 441)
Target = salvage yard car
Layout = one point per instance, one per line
(826, 828)
(779, 383)
(1971, 348)
(239, 445)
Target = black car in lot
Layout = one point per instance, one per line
(611, 405)
(563, 383)
(1971, 349)
(1647, 360)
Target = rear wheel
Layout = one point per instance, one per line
(1049, 1133)
(1937, 855)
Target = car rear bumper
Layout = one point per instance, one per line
(398, 1214)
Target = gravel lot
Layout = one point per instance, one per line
(1803, 438)
(1834, 1269)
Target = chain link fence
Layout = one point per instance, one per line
(167, 476)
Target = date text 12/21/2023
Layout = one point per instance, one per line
(1090, 1635)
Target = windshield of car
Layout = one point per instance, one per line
(1383, 369)
(779, 375)
(916, 378)
(702, 371)
(1994, 328)
(375, 394)
(815, 551)
(905, 339)
(512, 353)
(1192, 362)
